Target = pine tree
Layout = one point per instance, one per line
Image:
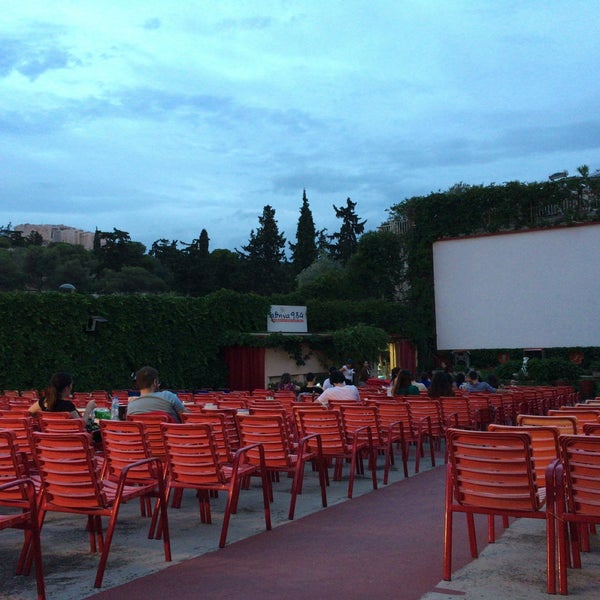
(304, 251)
(265, 255)
(345, 242)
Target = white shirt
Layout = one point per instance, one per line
(339, 392)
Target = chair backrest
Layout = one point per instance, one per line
(582, 416)
(152, 422)
(59, 422)
(11, 466)
(422, 408)
(591, 428)
(581, 464)
(544, 442)
(326, 423)
(68, 470)
(22, 427)
(216, 421)
(125, 442)
(358, 416)
(566, 424)
(191, 454)
(312, 406)
(493, 470)
(270, 431)
(392, 412)
(456, 411)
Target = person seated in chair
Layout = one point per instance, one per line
(473, 384)
(151, 399)
(339, 391)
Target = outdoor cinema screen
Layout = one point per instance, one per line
(533, 289)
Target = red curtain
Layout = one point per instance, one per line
(246, 368)
(406, 356)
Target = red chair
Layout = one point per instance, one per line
(126, 443)
(26, 519)
(578, 498)
(391, 411)
(272, 434)
(59, 422)
(193, 462)
(14, 467)
(71, 484)
(427, 415)
(152, 422)
(358, 418)
(493, 473)
(22, 427)
(327, 424)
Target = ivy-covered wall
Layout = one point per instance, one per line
(41, 333)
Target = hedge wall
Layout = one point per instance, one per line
(181, 336)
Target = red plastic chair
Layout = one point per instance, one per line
(26, 519)
(578, 498)
(272, 433)
(71, 484)
(391, 411)
(22, 427)
(152, 422)
(193, 463)
(125, 443)
(357, 418)
(13, 467)
(493, 473)
(327, 424)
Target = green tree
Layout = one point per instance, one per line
(130, 280)
(264, 256)
(325, 278)
(345, 241)
(39, 266)
(304, 251)
(377, 268)
(115, 249)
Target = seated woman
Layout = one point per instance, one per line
(404, 385)
(286, 384)
(56, 398)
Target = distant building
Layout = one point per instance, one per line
(59, 233)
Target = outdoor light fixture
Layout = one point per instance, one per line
(92, 323)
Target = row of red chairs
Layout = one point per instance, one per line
(527, 471)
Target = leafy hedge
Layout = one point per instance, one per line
(182, 336)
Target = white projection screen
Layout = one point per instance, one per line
(533, 289)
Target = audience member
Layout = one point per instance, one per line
(286, 384)
(327, 383)
(441, 385)
(310, 387)
(393, 377)
(151, 399)
(404, 385)
(347, 371)
(425, 379)
(472, 384)
(340, 390)
(364, 374)
(56, 397)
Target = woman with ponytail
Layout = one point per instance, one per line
(56, 398)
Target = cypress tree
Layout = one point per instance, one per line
(304, 251)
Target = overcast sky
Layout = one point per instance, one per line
(164, 117)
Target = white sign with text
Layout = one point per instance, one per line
(287, 319)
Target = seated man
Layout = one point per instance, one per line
(472, 384)
(151, 399)
(339, 391)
